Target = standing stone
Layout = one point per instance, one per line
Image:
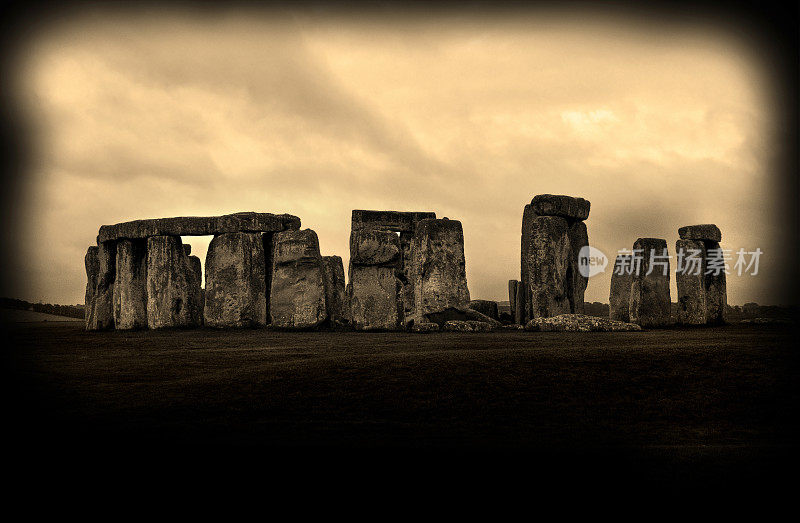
(297, 297)
(372, 295)
(334, 288)
(513, 287)
(650, 300)
(92, 276)
(547, 269)
(102, 316)
(130, 286)
(374, 247)
(578, 238)
(486, 307)
(621, 279)
(439, 269)
(523, 294)
(716, 286)
(235, 294)
(173, 291)
(691, 283)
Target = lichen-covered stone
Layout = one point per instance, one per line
(485, 307)
(558, 205)
(374, 247)
(130, 285)
(334, 288)
(578, 323)
(438, 269)
(173, 290)
(235, 293)
(716, 286)
(705, 231)
(200, 225)
(466, 326)
(690, 280)
(547, 267)
(620, 295)
(578, 239)
(92, 264)
(397, 221)
(649, 304)
(372, 297)
(424, 327)
(297, 297)
(459, 314)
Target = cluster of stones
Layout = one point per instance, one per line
(260, 269)
(407, 271)
(701, 297)
(553, 233)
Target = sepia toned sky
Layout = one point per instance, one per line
(173, 113)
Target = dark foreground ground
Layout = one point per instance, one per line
(698, 408)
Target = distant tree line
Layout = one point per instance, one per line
(70, 311)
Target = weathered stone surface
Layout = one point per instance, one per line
(236, 293)
(372, 295)
(650, 300)
(297, 298)
(130, 285)
(485, 307)
(438, 269)
(547, 271)
(459, 314)
(578, 239)
(578, 323)
(374, 247)
(200, 225)
(523, 305)
(520, 306)
(173, 290)
(716, 287)
(197, 267)
(424, 327)
(187, 249)
(705, 231)
(513, 288)
(466, 326)
(333, 270)
(102, 315)
(690, 280)
(388, 220)
(621, 280)
(559, 205)
(92, 264)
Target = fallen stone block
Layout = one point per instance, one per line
(578, 323)
(297, 297)
(485, 307)
(235, 293)
(705, 231)
(424, 327)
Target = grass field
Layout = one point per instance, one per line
(690, 406)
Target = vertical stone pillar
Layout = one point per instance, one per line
(269, 248)
(92, 264)
(102, 315)
(650, 301)
(548, 268)
(578, 239)
(691, 282)
(702, 298)
(130, 287)
(173, 291)
(235, 294)
(619, 298)
(374, 292)
(513, 287)
(297, 297)
(716, 288)
(334, 288)
(439, 268)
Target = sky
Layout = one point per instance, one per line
(177, 113)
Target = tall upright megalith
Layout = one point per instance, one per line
(553, 233)
(334, 288)
(700, 275)
(513, 288)
(649, 303)
(620, 295)
(235, 293)
(100, 313)
(92, 264)
(173, 290)
(297, 297)
(130, 286)
(438, 270)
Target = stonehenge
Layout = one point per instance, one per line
(406, 271)
(553, 233)
(702, 294)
